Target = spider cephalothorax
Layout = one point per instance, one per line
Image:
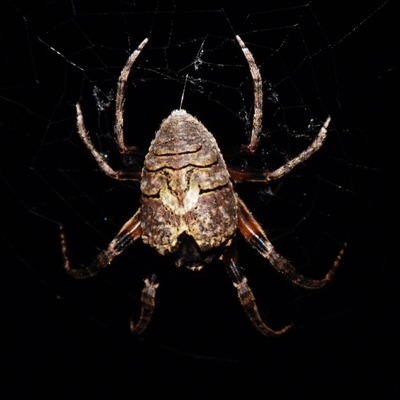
(188, 204)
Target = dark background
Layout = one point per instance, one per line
(68, 337)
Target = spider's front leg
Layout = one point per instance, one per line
(120, 100)
(245, 294)
(254, 234)
(258, 97)
(101, 161)
(238, 175)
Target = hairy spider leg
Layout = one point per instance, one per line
(258, 97)
(254, 234)
(130, 232)
(238, 175)
(245, 294)
(101, 161)
(148, 302)
(120, 100)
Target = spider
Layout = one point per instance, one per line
(188, 203)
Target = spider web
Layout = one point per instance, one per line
(70, 52)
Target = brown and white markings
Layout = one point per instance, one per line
(188, 203)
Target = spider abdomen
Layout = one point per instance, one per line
(186, 188)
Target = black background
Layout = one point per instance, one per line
(67, 337)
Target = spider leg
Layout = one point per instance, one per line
(239, 175)
(148, 301)
(258, 97)
(254, 234)
(131, 231)
(120, 100)
(245, 294)
(101, 161)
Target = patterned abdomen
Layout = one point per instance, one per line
(186, 188)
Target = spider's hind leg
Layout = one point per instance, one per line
(245, 294)
(148, 300)
(254, 234)
(131, 231)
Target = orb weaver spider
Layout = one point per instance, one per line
(188, 203)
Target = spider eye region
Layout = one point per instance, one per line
(186, 188)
